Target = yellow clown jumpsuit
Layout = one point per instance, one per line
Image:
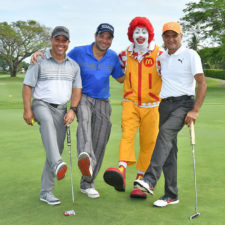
(142, 86)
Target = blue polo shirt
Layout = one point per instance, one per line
(95, 74)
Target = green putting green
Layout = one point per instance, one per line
(22, 158)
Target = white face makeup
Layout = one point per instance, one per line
(140, 37)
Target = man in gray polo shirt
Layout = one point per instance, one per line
(52, 82)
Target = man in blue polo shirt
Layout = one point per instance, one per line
(97, 62)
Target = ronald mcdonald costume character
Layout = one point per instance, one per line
(142, 86)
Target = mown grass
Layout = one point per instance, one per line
(22, 158)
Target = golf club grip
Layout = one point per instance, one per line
(68, 135)
(192, 133)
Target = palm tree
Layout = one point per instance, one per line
(193, 43)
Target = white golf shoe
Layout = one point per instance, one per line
(91, 192)
(144, 186)
(165, 200)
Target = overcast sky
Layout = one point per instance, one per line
(83, 16)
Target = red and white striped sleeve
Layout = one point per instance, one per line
(123, 59)
(158, 65)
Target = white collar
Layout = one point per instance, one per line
(151, 46)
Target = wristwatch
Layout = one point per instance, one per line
(74, 109)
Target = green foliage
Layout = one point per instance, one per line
(219, 74)
(3, 65)
(193, 42)
(23, 65)
(20, 40)
(213, 58)
(205, 19)
(203, 25)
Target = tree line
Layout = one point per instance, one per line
(203, 26)
(20, 40)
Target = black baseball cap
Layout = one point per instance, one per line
(61, 30)
(105, 27)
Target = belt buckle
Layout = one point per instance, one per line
(53, 105)
(169, 99)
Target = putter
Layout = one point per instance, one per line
(192, 134)
(70, 212)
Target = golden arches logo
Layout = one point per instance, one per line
(149, 62)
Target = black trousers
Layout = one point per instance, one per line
(172, 114)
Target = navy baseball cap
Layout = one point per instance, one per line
(105, 27)
(61, 30)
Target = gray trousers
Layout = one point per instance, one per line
(93, 132)
(53, 131)
(172, 115)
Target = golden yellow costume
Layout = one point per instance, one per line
(142, 86)
(140, 103)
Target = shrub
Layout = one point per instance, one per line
(219, 74)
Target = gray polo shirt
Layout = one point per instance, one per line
(52, 82)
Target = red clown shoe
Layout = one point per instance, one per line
(116, 178)
(137, 193)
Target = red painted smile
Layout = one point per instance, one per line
(140, 40)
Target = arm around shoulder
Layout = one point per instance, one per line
(118, 72)
(121, 79)
(34, 57)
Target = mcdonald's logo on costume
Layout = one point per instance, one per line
(149, 62)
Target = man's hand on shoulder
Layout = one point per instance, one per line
(34, 57)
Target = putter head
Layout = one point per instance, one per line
(69, 213)
(194, 216)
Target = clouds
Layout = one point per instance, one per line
(83, 16)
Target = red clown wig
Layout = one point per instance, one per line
(140, 22)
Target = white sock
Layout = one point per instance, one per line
(141, 172)
(122, 163)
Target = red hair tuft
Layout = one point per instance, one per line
(142, 22)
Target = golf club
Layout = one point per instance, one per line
(70, 212)
(192, 134)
